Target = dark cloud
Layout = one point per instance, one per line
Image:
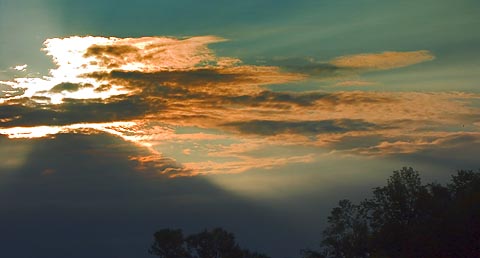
(111, 56)
(84, 193)
(265, 127)
(178, 85)
(7, 91)
(107, 50)
(70, 87)
(310, 66)
(75, 111)
(103, 87)
(191, 78)
(276, 98)
(39, 98)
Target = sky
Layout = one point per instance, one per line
(119, 118)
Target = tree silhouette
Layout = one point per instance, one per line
(216, 243)
(394, 213)
(169, 243)
(307, 253)
(408, 219)
(347, 234)
(404, 218)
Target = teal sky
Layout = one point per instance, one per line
(267, 29)
(257, 116)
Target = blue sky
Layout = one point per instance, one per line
(122, 117)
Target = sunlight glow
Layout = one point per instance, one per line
(20, 68)
(77, 56)
(120, 129)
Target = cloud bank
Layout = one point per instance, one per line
(164, 91)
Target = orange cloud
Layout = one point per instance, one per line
(144, 89)
(157, 162)
(382, 61)
(102, 68)
(443, 140)
(150, 54)
(354, 83)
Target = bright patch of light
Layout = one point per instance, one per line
(77, 56)
(120, 128)
(30, 132)
(21, 68)
(68, 54)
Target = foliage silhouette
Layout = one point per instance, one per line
(407, 219)
(404, 218)
(169, 243)
(216, 243)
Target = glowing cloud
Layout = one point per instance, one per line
(354, 83)
(382, 61)
(20, 67)
(115, 128)
(146, 90)
(82, 60)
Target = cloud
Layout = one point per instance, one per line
(148, 54)
(159, 164)
(7, 91)
(349, 83)
(20, 68)
(73, 111)
(310, 66)
(231, 80)
(145, 54)
(114, 128)
(442, 140)
(345, 69)
(382, 61)
(265, 127)
(146, 90)
(70, 87)
(76, 56)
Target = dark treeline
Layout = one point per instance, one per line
(216, 243)
(405, 218)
